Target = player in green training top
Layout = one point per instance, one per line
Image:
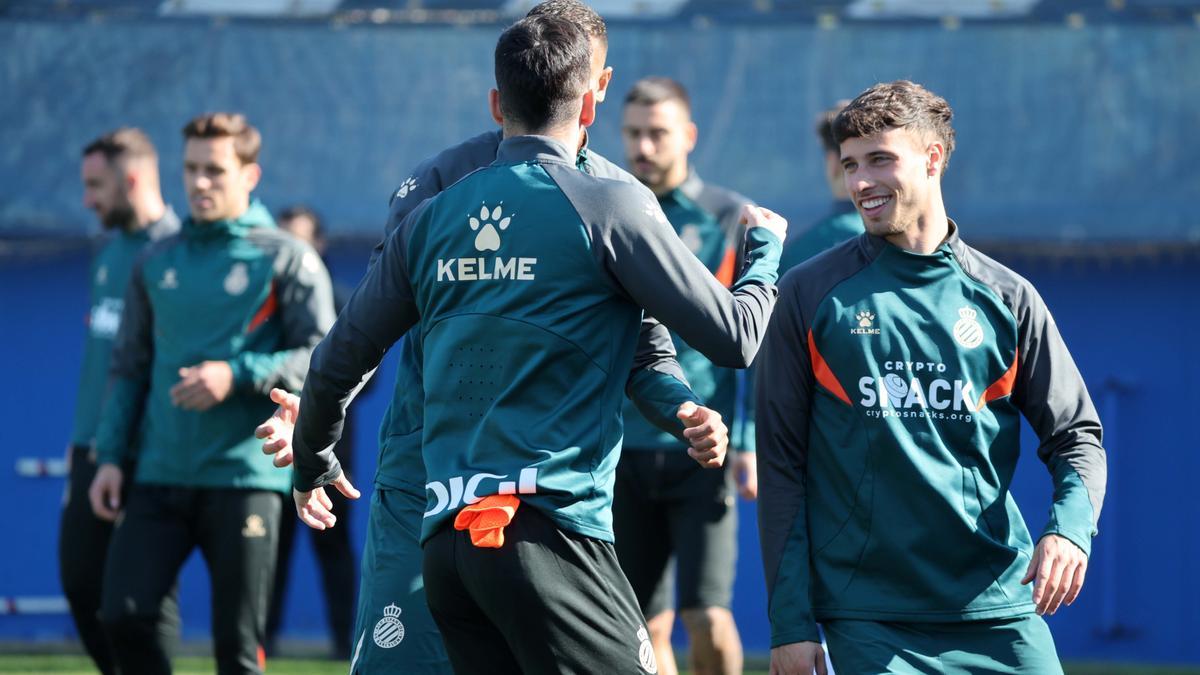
(120, 184)
(526, 281)
(215, 317)
(676, 522)
(890, 392)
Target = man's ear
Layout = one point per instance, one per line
(494, 106)
(602, 85)
(587, 114)
(692, 133)
(936, 155)
(251, 174)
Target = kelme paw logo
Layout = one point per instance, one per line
(865, 318)
(488, 238)
(406, 187)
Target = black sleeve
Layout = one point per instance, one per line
(784, 388)
(129, 383)
(379, 312)
(656, 384)
(1050, 392)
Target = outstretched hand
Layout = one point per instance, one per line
(277, 431)
(315, 508)
(706, 432)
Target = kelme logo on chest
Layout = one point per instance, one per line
(864, 324)
(487, 228)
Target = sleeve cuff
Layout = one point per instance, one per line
(1080, 539)
(807, 633)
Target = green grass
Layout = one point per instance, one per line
(79, 665)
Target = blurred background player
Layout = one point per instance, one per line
(891, 388)
(120, 184)
(214, 318)
(675, 522)
(843, 220)
(334, 552)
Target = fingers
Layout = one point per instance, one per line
(1062, 583)
(313, 509)
(819, 659)
(323, 499)
(265, 430)
(1033, 566)
(702, 438)
(289, 404)
(693, 415)
(1046, 584)
(106, 502)
(1076, 583)
(283, 458)
(708, 459)
(346, 488)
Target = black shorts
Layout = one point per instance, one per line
(675, 525)
(547, 601)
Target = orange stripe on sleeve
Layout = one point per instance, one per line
(824, 375)
(724, 273)
(264, 312)
(1001, 387)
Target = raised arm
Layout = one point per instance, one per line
(637, 248)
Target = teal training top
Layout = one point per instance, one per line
(656, 384)
(109, 274)
(240, 291)
(706, 219)
(527, 280)
(890, 392)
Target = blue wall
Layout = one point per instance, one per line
(1062, 134)
(1131, 323)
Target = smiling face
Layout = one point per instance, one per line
(892, 177)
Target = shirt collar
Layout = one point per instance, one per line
(689, 189)
(534, 148)
(952, 243)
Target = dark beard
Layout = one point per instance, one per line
(119, 218)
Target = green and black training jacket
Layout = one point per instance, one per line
(890, 390)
